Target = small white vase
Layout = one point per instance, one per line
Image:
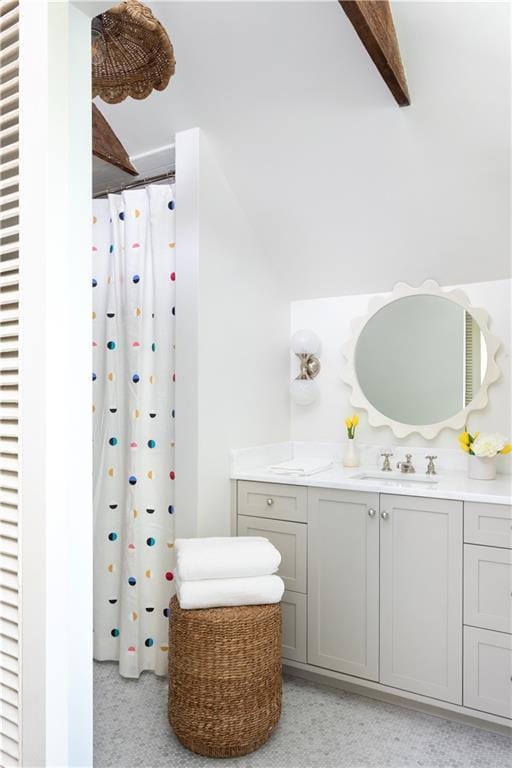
(481, 467)
(351, 456)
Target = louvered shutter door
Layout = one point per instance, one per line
(9, 287)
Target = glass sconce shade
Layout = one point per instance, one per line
(304, 391)
(305, 342)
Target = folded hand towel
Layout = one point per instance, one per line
(225, 558)
(301, 467)
(218, 593)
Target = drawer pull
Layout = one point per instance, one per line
(270, 502)
(371, 512)
(384, 515)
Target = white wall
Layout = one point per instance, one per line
(232, 327)
(349, 193)
(331, 320)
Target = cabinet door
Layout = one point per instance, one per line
(487, 671)
(488, 587)
(290, 540)
(421, 596)
(343, 575)
(294, 626)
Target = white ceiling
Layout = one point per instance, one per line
(347, 192)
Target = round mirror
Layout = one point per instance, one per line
(421, 360)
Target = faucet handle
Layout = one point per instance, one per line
(431, 467)
(386, 466)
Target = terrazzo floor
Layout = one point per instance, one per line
(320, 727)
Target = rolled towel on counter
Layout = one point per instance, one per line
(225, 558)
(218, 593)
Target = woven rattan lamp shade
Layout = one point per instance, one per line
(131, 53)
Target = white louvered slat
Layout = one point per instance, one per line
(10, 696)
(9, 181)
(9, 580)
(9, 598)
(9, 18)
(10, 736)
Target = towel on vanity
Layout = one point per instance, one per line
(301, 467)
(218, 593)
(225, 558)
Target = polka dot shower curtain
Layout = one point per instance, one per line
(133, 412)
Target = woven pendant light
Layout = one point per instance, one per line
(131, 53)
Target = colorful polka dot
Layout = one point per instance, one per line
(150, 609)
(166, 613)
(173, 276)
(94, 377)
(169, 575)
(113, 441)
(151, 443)
(170, 205)
(153, 347)
(150, 542)
(132, 480)
(94, 282)
(170, 509)
(132, 581)
(112, 536)
(148, 642)
(121, 215)
(135, 378)
(111, 345)
(172, 474)
(115, 632)
(136, 278)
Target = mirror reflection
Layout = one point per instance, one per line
(420, 359)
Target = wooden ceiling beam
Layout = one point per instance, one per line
(107, 146)
(373, 22)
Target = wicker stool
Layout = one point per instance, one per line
(224, 677)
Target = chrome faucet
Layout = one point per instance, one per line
(407, 467)
(386, 466)
(431, 468)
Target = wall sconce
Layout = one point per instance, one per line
(303, 389)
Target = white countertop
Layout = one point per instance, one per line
(449, 485)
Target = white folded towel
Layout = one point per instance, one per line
(301, 467)
(218, 593)
(225, 558)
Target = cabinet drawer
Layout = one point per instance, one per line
(488, 524)
(488, 587)
(277, 501)
(290, 539)
(487, 671)
(294, 626)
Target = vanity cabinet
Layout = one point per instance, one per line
(421, 596)
(376, 590)
(343, 572)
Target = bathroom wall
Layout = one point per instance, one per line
(331, 319)
(232, 325)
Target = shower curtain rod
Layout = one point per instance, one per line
(138, 183)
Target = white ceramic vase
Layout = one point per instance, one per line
(481, 467)
(351, 456)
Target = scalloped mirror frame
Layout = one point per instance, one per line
(428, 431)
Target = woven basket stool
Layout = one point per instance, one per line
(224, 677)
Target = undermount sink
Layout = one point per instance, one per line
(396, 478)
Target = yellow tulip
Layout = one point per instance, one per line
(506, 448)
(355, 420)
(348, 423)
(465, 448)
(464, 439)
